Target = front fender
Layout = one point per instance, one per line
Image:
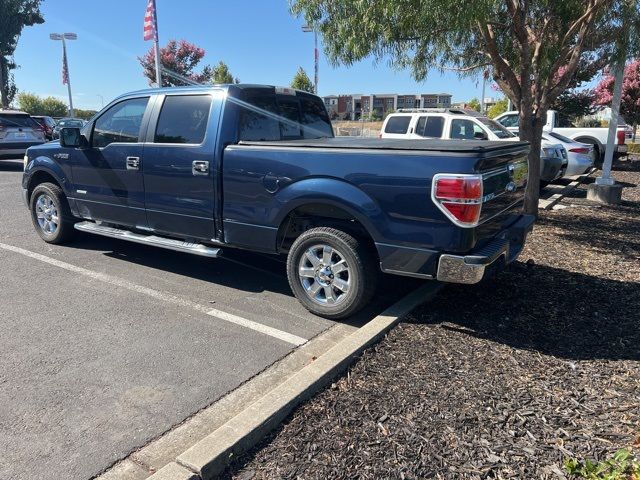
(334, 192)
(46, 165)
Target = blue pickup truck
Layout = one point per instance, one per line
(203, 169)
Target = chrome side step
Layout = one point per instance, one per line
(162, 242)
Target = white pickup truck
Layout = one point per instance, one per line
(594, 136)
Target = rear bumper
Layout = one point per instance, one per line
(16, 149)
(499, 252)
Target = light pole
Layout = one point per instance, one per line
(65, 64)
(101, 99)
(307, 29)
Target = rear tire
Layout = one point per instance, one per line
(50, 214)
(331, 273)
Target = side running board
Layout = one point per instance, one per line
(162, 242)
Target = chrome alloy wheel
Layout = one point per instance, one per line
(47, 214)
(324, 275)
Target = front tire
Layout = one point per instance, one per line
(50, 214)
(332, 273)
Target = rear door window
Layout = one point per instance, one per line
(397, 124)
(430, 127)
(464, 129)
(509, 121)
(183, 119)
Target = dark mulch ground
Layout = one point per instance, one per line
(501, 380)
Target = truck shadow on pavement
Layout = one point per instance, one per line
(539, 308)
(237, 269)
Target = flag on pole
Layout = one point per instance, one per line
(65, 67)
(150, 22)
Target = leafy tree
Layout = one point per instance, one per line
(53, 107)
(575, 104)
(178, 57)
(474, 104)
(301, 81)
(221, 74)
(84, 114)
(533, 47)
(14, 16)
(36, 105)
(498, 108)
(30, 103)
(630, 104)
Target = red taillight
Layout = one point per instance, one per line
(621, 137)
(583, 150)
(459, 197)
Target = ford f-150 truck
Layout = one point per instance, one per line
(203, 169)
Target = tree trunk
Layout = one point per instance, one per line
(531, 130)
(4, 103)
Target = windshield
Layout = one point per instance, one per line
(497, 129)
(70, 123)
(557, 136)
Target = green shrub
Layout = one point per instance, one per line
(621, 466)
(634, 148)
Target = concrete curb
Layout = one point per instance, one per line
(210, 456)
(548, 203)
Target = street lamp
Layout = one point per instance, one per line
(307, 29)
(101, 99)
(65, 64)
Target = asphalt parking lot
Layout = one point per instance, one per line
(105, 343)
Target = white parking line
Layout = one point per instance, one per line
(165, 297)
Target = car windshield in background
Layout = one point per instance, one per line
(557, 136)
(497, 129)
(71, 123)
(20, 121)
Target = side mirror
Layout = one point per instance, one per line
(72, 138)
(480, 136)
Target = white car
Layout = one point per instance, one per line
(557, 124)
(580, 156)
(452, 123)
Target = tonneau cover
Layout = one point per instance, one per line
(435, 145)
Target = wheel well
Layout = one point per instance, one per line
(314, 215)
(590, 140)
(38, 178)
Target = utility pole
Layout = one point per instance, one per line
(316, 56)
(605, 189)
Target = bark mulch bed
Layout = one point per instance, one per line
(501, 380)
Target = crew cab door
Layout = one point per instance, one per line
(179, 168)
(107, 175)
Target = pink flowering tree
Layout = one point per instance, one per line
(630, 104)
(178, 56)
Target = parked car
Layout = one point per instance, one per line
(18, 131)
(593, 136)
(48, 123)
(202, 169)
(66, 123)
(461, 124)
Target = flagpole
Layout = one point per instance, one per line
(66, 67)
(156, 47)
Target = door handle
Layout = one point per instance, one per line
(200, 167)
(133, 163)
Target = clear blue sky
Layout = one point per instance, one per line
(259, 40)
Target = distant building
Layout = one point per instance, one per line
(354, 106)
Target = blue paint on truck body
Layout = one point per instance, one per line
(256, 155)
